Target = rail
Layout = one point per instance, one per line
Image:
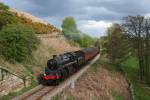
(47, 92)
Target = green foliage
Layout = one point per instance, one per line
(7, 18)
(116, 44)
(137, 29)
(3, 7)
(131, 67)
(17, 42)
(71, 32)
(118, 96)
(69, 24)
(86, 41)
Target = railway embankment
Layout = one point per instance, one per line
(47, 92)
(101, 82)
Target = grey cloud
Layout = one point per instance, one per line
(106, 10)
(85, 9)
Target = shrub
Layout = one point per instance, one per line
(7, 18)
(3, 7)
(17, 42)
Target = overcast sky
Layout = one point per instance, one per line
(92, 16)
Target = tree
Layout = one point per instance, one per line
(69, 24)
(70, 31)
(116, 44)
(17, 42)
(137, 28)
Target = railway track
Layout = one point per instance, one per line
(35, 94)
(47, 92)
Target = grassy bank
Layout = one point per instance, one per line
(104, 63)
(130, 66)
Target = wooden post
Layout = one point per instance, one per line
(0, 74)
(24, 81)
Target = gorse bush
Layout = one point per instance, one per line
(38, 27)
(17, 42)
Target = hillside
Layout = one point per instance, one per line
(49, 45)
(100, 82)
(27, 43)
(28, 16)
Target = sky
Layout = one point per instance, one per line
(92, 16)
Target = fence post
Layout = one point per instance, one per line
(24, 81)
(2, 74)
(72, 84)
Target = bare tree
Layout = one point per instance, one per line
(138, 30)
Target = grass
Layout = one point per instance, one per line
(104, 62)
(130, 66)
(117, 96)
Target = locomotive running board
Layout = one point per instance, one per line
(68, 82)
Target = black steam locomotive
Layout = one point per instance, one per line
(62, 66)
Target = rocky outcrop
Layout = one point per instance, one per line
(11, 83)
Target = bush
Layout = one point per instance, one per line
(3, 7)
(17, 42)
(7, 18)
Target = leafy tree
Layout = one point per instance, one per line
(17, 42)
(86, 41)
(116, 44)
(70, 31)
(69, 24)
(137, 28)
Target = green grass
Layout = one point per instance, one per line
(104, 62)
(117, 96)
(130, 66)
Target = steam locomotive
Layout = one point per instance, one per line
(62, 66)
